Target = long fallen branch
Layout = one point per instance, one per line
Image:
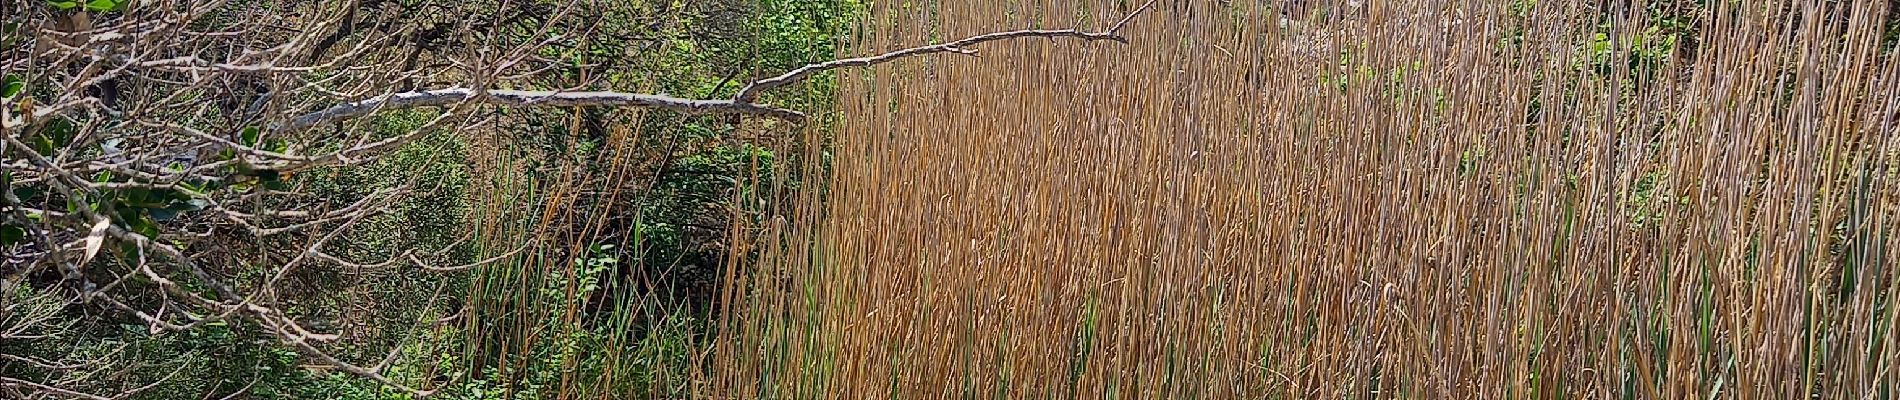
(742, 104)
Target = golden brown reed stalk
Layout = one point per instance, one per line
(1408, 199)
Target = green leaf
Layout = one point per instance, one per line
(145, 198)
(249, 138)
(177, 207)
(173, 195)
(57, 133)
(25, 194)
(144, 226)
(129, 214)
(104, 5)
(10, 234)
(164, 214)
(11, 85)
(44, 145)
(62, 5)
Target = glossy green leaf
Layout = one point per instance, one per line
(249, 137)
(104, 5)
(177, 207)
(164, 214)
(11, 85)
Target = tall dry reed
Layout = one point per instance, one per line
(1379, 199)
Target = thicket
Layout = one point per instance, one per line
(602, 228)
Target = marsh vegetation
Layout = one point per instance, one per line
(1251, 199)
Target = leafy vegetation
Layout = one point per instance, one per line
(648, 198)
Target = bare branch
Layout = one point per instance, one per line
(523, 98)
(1131, 17)
(9, 381)
(740, 104)
(424, 265)
(752, 91)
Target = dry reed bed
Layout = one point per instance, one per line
(1494, 203)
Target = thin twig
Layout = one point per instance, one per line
(751, 92)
